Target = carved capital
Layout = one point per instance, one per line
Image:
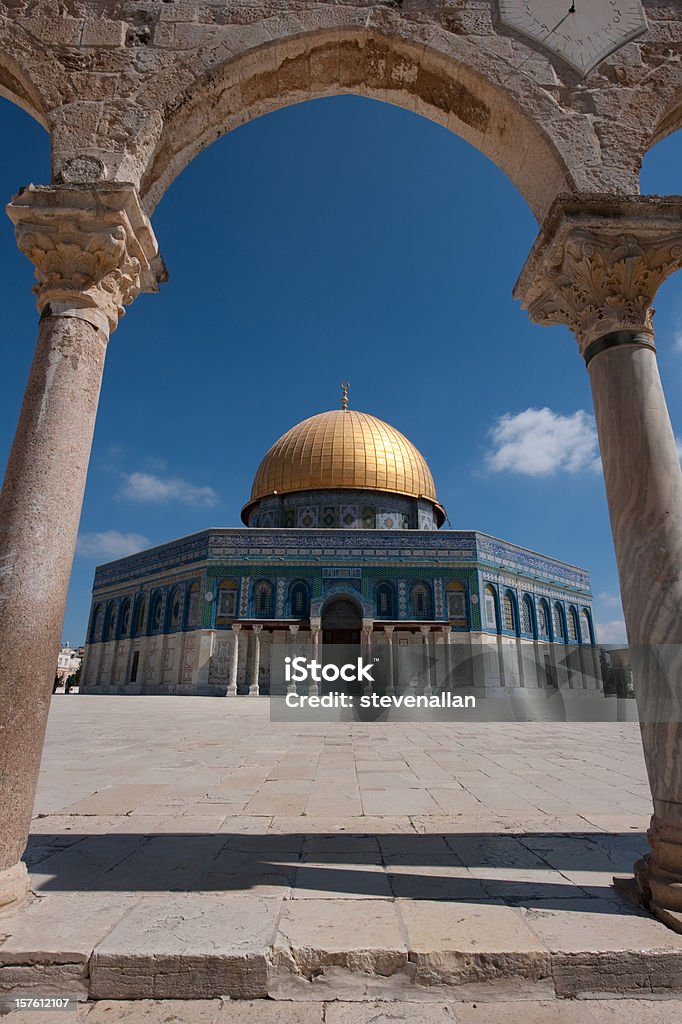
(92, 247)
(598, 263)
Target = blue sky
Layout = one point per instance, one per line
(338, 239)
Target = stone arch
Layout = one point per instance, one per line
(487, 105)
(341, 619)
(669, 123)
(17, 87)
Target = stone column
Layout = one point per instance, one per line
(447, 664)
(366, 649)
(293, 630)
(94, 251)
(234, 662)
(313, 687)
(254, 688)
(425, 632)
(596, 267)
(390, 679)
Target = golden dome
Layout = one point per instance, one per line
(343, 449)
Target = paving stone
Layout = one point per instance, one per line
(332, 948)
(319, 880)
(155, 1011)
(188, 944)
(392, 1013)
(270, 1012)
(465, 943)
(591, 925)
(116, 799)
(600, 946)
(61, 928)
(556, 1011)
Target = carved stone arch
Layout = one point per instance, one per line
(669, 123)
(17, 87)
(477, 96)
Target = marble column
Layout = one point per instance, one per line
(390, 679)
(234, 662)
(313, 686)
(447, 658)
(366, 649)
(596, 267)
(426, 675)
(254, 684)
(94, 251)
(293, 631)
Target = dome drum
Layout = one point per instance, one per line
(342, 509)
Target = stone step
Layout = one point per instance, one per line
(189, 945)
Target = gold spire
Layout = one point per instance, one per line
(344, 399)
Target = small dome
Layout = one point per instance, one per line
(343, 449)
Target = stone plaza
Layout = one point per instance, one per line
(195, 849)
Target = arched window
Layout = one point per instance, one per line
(109, 622)
(96, 622)
(527, 617)
(124, 619)
(175, 608)
(156, 613)
(490, 599)
(543, 620)
(586, 627)
(192, 616)
(572, 624)
(509, 611)
(140, 616)
(421, 601)
(299, 601)
(558, 623)
(384, 596)
(262, 599)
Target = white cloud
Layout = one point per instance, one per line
(538, 442)
(147, 487)
(678, 445)
(110, 544)
(606, 597)
(677, 340)
(612, 632)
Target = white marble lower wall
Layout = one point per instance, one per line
(202, 661)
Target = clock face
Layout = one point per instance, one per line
(582, 37)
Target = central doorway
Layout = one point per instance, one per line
(341, 622)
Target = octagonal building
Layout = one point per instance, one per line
(342, 544)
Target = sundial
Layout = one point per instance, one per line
(582, 32)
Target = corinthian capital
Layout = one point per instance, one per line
(598, 263)
(92, 247)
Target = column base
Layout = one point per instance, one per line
(14, 884)
(659, 873)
